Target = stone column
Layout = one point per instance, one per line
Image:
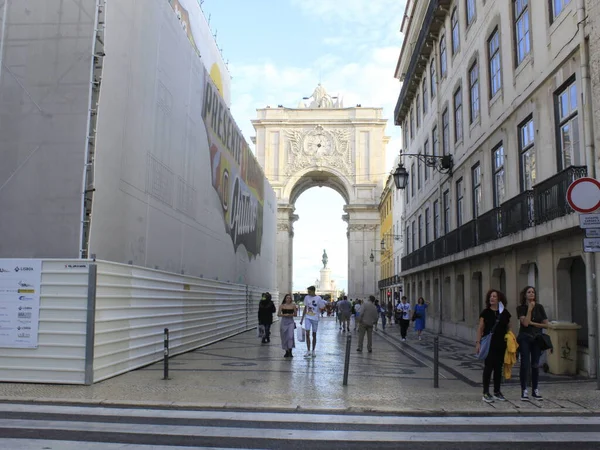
(285, 247)
(363, 238)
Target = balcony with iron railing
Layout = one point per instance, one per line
(545, 202)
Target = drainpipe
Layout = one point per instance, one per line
(592, 261)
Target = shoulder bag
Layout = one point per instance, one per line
(484, 344)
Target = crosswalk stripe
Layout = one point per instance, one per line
(288, 434)
(297, 417)
(37, 444)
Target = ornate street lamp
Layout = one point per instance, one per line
(443, 164)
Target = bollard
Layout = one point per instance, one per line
(347, 359)
(436, 357)
(166, 356)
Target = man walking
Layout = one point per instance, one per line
(368, 317)
(344, 312)
(404, 312)
(313, 306)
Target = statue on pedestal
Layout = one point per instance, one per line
(325, 259)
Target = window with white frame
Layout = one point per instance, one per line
(470, 8)
(426, 152)
(413, 234)
(459, 202)
(435, 142)
(477, 191)
(405, 135)
(433, 78)
(425, 99)
(418, 110)
(443, 56)
(522, 35)
(499, 176)
(411, 120)
(407, 239)
(557, 7)
(436, 219)
(494, 60)
(527, 152)
(458, 115)
(474, 92)
(446, 204)
(568, 126)
(445, 132)
(420, 235)
(427, 224)
(412, 180)
(419, 180)
(455, 31)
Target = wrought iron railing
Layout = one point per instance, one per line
(547, 201)
(550, 195)
(517, 213)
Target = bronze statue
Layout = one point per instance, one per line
(325, 259)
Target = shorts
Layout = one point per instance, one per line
(310, 324)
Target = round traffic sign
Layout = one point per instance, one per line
(583, 195)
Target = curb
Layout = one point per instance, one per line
(186, 406)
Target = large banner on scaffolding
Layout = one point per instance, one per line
(176, 185)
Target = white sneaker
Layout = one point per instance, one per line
(419, 337)
(314, 354)
(403, 339)
(307, 355)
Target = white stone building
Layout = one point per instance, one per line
(501, 86)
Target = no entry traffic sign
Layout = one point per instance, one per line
(583, 195)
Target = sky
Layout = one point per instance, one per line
(277, 53)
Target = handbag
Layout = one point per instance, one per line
(544, 342)
(300, 334)
(484, 344)
(260, 331)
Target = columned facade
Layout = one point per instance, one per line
(321, 143)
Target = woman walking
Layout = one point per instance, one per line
(266, 309)
(533, 320)
(287, 311)
(494, 319)
(420, 315)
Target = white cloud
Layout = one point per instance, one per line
(360, 49)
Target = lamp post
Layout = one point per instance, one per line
(443, 164)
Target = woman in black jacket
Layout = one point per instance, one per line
(266, 309)
(497, 318)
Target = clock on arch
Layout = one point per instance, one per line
(318, 144)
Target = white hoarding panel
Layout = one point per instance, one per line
(176, 185)
(46, 58)
(20, 282)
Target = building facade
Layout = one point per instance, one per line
(388, 267)
(323, 143)
(502, 94)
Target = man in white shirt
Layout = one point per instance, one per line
(404, 309)
(313, 305)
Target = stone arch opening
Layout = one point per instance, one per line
(322, 143)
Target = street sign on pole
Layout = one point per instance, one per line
(583, 195)
(592, 232)
(591, 245)
(589, 221)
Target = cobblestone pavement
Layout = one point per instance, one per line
(240, 372)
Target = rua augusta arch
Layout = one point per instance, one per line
(322, 143)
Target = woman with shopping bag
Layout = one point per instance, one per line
(287, 311)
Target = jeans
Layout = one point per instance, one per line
(383, 320)
(493, 363)
(267, 336)
(530, 358)
(404, 323)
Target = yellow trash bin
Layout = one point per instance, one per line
(563, 360)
